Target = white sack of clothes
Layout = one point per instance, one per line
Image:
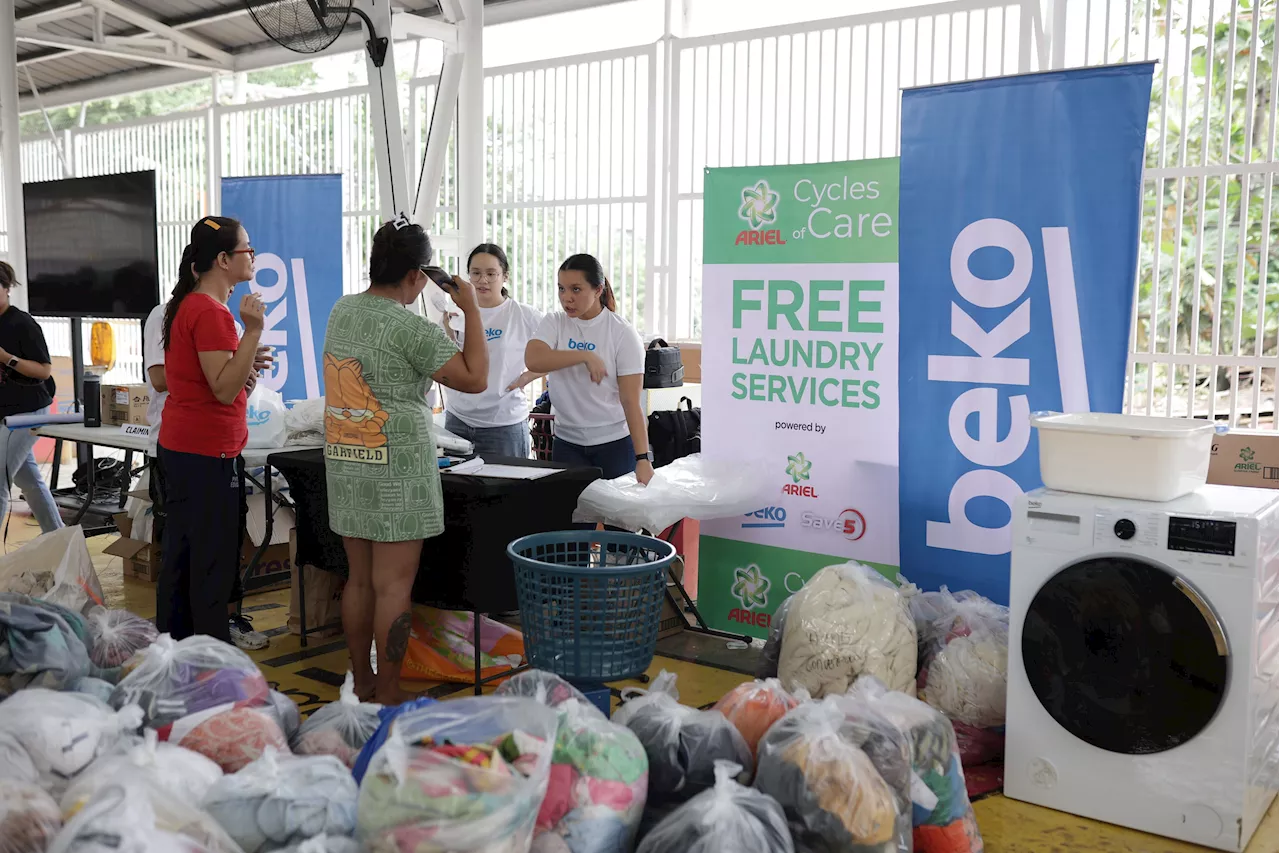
(117, 636)
(847, 621)
(683, 744)
(54, 567)
(304, 422)
(964, 655)
(265, 414)
(282, 799)
(341, 728)
(29, 818)
(726, 817)
(62, 733)
(690, 487)
(185, 774)
(136, 815)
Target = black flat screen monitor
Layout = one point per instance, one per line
(91, 246)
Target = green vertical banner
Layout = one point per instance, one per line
(799, 376)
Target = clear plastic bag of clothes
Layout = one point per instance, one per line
(174, 679)
(463, 776)
(728, 817)
(964, 655)
(323, 843)
(835, 799)
(683, 743)
(41, 645)
(890, 753)
(233, 736)
(29, 818)
(754, 706)
(387, 715)
(340, 728)
(690, 487)
(767, 666)
(847, 621)
(948, 824)
(138, 816)
(117, 635)
(55, 567)
(62, 733)
(183, 773)
(545, 688)
(283, 799)
(286, 713)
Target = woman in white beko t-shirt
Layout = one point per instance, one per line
(596, 364)
(496, 420)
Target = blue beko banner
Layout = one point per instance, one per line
(295, 225)
(1020, 212)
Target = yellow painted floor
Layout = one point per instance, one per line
(312, 678)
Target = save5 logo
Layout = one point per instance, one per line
(850, 523)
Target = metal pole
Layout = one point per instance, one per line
(395, 194)
(11, 151)
(471, 120)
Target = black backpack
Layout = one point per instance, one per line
(663, 367)
(675, 434)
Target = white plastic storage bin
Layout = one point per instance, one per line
(1123, 456)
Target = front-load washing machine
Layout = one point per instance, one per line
(1143, 660)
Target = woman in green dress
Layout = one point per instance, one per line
(380, 453)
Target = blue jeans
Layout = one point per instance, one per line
(615, 459)
(17, 451)
(510, 441)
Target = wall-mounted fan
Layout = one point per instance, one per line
(311, 26)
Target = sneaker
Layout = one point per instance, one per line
(243, 635)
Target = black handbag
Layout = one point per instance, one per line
(663, 367)
(675, 434)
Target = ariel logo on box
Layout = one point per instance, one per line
(1246, 463)
(798, 468)
(759, 208)
(751, 588)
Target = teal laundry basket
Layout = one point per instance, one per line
(590, 602)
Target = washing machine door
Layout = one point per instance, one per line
(1125, 655)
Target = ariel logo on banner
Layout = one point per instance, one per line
(799, 375)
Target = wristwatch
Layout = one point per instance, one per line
(645, 457)
(13, 362)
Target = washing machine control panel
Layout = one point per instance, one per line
(1202, 535)
(1123, 528)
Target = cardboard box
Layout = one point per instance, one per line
(125, 404)
(1245, 457)
(324, 597)
(141, 559)
(275, 561)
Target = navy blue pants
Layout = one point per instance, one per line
(615, 458)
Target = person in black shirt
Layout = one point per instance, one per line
(26, 387)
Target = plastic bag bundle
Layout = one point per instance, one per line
(283, 799)
(847, 621)
(173, 679)
(464, 775)
(834, 798)
(138, 816)
(949, 825)
(285, 712)
(117, 636)
(964, 655)
(323, 843)
(545, 688)
(683, 743)
(767, 666)
(890, 753)
(61, 733)
(29, 818)
(387, 715)
(54, 567)
(340, 728)
(185, 774)
(41, 645)
(727, 817)
(233, 736)
(95, 687)
(754, 706)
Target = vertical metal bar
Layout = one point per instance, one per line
(651, 190)
(1242, 241)
(1088, 20)
(1219, 281)
(1201, 194)
(1175, 296)
(1267, 211)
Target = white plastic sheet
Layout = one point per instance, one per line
(690, 487)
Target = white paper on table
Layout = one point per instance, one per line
(513, 472)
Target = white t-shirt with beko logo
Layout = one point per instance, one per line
(507, 330)
(152, 356)
(588, 414)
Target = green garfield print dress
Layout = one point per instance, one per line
(380, 452)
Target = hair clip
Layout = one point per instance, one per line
(215, 226)
(401, 221)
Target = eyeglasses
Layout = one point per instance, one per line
(251, 252)
(476, 275)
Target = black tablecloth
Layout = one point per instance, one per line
(466, 567)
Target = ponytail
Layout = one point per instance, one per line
(593, 272)
(210, 237)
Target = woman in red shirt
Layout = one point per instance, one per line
(203, 430)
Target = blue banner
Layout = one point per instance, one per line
(295, 224)
(1018, 253)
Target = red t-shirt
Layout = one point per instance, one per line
(194, 421)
